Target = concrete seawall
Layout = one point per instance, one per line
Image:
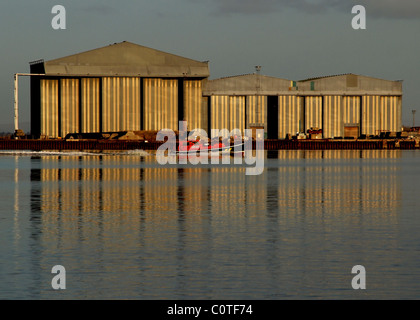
(98, 145)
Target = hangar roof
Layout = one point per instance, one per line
(351, 82)
(248, 84)
(126, 59)
(344, 84)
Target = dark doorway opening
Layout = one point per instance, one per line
(181, 114)
(272, 117)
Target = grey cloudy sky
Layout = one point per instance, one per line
(377, 8)
(290, 39)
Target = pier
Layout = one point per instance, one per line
(99, 145)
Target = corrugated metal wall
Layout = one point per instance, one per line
(219, 112)
(390, 115)
(333, 117)
(381, 114)
(90, 105)
(69, 106)
(228, 112)
(338, 112)
(351, 110)
(313, 112)
(256, 110)
(290, 115)
(160, 104)
(370, 114)
(237, 113)
(120, 103)
(195, 110)
(49, 108)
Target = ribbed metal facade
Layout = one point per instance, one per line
(49, 108)
(351, 109)
(69, 106)
(381, 113)
(111, 104)
(340, 112)
(219, 112)
(121, 103)
(237, 113)
(331, 113)
(90, 103)
(160, 104)
(256, 110)
(290, 115)
(333, 116)
(313, 112)
(228, 112)
(195, 109)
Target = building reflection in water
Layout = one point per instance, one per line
(135, 189)
(114, 204)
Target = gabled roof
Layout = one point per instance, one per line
(324, 77)
(127, 59)
(250, 76)
(345, 75)
(246, 84)
(352, 84)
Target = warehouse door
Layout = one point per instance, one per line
(272, 117)
(351, 131)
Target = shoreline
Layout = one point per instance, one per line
(271, 145)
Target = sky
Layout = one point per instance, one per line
(296, 39)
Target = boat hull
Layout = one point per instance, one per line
(209, 152)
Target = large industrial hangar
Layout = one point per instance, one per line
(120, 87)
(346, 105)
(128, 87)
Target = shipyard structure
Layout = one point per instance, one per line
(128, 87)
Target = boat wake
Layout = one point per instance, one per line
(136, 152)
(30, 153)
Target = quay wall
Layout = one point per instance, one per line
(98, 145)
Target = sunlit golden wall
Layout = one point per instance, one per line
(256, 110)
(69, 106)
(381, 113)
(121, 103)
(90, 114)
(195, 110)
(160, 104)
(49, 108)
(290, 115)
(228, 112)
(313, 112)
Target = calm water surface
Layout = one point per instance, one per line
(125, 227)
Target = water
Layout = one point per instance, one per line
(125, 227)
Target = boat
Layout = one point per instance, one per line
(199, 146)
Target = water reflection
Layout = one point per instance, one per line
(170, 228)
(334, 154)
(100, 187)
